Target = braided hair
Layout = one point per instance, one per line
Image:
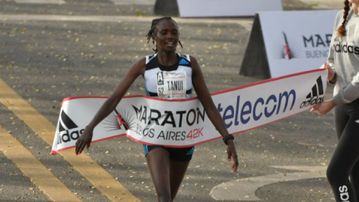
(341, 29)
(152, 32)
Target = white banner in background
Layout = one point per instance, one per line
(183, 123)
(222, 8)
(296, 41)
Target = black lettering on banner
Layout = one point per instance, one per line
(316, 95)
(69, 135)
(154, 116)
(144, 115)
(191, 119)
(140, 113)
(161, 135)
(174, 118)
(137, 110)
(169, 119)
(200, 115)
(68, 130)
(172, 135)
(181, 113)
(65, 137)
(150, 132)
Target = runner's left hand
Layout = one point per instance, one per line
(232, 155)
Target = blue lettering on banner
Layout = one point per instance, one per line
(239, 113)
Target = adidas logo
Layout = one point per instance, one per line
(316, 95)
(67, 129)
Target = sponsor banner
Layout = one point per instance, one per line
(183, 122)
(296, 41)
(75, 114)
(222, 8)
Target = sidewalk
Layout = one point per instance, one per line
(287, 5)
(323, 4)
(312, 4)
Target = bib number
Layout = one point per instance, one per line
(171, 84)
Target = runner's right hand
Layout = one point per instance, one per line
(84, 140)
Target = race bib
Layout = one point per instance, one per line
(171, 85)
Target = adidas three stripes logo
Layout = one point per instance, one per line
(316, 95)
(68, 130)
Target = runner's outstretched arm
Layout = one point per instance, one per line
(109, 105)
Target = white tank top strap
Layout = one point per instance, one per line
(150, 57)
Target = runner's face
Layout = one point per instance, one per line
(167, 36)
(354, 1)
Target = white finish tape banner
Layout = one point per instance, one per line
(183, 122)
(222, 8)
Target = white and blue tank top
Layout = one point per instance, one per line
(170, 82)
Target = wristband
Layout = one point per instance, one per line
(227, 138)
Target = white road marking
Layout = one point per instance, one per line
(100, 178)
(244, 189)
(31, 167)
(40, 1)
(246, 22)
(134, 2)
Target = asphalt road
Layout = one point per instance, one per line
(85, 48)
